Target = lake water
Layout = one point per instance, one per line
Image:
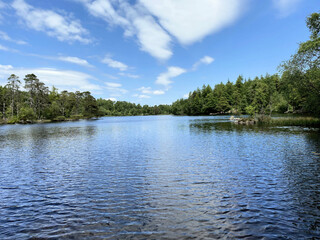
(158, 177)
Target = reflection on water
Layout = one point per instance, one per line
(159, 177)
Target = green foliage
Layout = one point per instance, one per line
(40, 103)
(301, 74)
(76, 117)
(59, 118)
(13, 120)
(250, 110)
(123, 108)
(26, 114)
(293, 121)
(261, 95)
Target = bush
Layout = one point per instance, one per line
(76, 117)
(250, 110)
(26, 114)
(59, 119)
(13, 120)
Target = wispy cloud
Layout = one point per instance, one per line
(69, 59)
(64, 28)
(129, 75)
(7, 49)
(5, 36)
(115, 64)
(172, 72)
(62, 79)
(185, 96)
(141, 96)
(75, 60)
(6, 67)
(3, 48)
(205, 60)
(148, 90)
(111, 76)
(286, 7)
(112, 99)
(2, 4)
(135, 21)
(113, 85)
(115, 89)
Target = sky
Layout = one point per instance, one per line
(148, 51)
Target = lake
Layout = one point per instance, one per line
(159, 177)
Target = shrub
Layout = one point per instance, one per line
(26, 114)
(59, 119)
(76, 117)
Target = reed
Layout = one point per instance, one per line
(297, 121)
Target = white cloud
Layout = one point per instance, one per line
(165, 78)
(129, 75)
(141, 96)
(63, 28)
(185, 96)
(104, 9)
(153, 39)
(151, 21)
(113, 85)
(190, 21)
(4, 36)
(62, 79)
(136, 22)
(75, 60)
(111, 76)
(2, 5)
(3, 48)
(115, 64)
(205, 60)
(148, 90)
(286, 7)
(112, 99)
(158, 92)
(115, 89)
(5, 67)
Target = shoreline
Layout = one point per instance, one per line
(300, 121)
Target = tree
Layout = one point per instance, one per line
(38, 93)
(13, 86)
(301, 72)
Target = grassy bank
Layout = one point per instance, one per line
(297, 121)
(264, 120)
(16, 120)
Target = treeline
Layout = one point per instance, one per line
(123, 108)
(295, 89)
(262, 94)
(37, 102)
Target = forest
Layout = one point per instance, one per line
(295, 89)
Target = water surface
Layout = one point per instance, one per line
(159, 177)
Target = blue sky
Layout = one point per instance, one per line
(148, 51)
